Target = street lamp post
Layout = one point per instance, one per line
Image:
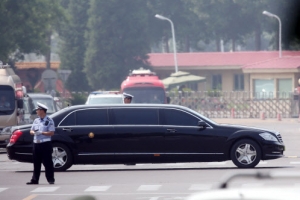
(173, 36)
(275, 16)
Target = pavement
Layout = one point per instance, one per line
(254, 120)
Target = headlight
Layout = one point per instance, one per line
(269, 137)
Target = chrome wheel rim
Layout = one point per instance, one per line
(245, 154)
(59, 157)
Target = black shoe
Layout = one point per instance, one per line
(32, 183)
(51, 182)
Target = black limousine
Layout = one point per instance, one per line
(146, 133)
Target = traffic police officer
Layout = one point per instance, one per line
(127, 97)
(42, 129)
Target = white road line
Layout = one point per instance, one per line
(295, 163)
(246, 185)
(175, 164)
(201, 187)
(2, 189)
(102, 188)
(148, 187)
(216, 163)
(45, 189)
(263, 163)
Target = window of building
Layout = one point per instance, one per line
(284, 88)
(135, 116)
(178, 118)
(264, 88)
(239, 82)
(92, 117)
(217, 82)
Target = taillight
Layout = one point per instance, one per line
(15, 136)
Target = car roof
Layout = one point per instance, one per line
(126, 105)
(41, 95)
(105, 95)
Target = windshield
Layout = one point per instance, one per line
(46, 101)
(146, 95)
(105, 100)
(7, 99)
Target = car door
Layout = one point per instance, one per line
(185, 140)
(92, 135)
(138, 134)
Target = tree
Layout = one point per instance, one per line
(24, 26)
(73, 45)
(186, 23)
(118, 41)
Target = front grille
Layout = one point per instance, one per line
(279, 138)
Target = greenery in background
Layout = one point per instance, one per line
(73, 45)
(25, 25)
(117, 41)
(78, 99)
(103, 40)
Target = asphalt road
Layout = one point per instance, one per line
(150, 181)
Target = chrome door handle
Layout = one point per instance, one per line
(171, 130)
(67, 129)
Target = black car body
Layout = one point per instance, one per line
(146, 133)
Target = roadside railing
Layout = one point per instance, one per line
(236, 104)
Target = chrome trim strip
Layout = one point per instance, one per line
(23, 153)
(92, 154)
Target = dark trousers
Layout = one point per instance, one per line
(42, 153)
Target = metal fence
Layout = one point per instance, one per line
(217, 104)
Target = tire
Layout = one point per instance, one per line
(61, 157)
(245, 153)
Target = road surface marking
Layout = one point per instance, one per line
(295, 163)
(97, 188)
(291, 156)
(216, 163)
(30, 197)
(201, 187)
(263, 163)
(2, 189)
(45, 189)
(148, 187)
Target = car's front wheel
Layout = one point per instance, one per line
(61, 157)
(245, 153)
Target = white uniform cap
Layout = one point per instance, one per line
(41, 106)
(127, 95)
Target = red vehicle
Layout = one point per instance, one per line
(145, 86)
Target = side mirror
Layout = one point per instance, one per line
(202, 124)
(20, 103)
(168, 100)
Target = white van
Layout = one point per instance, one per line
(11, 97)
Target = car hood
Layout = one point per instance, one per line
(241, 127)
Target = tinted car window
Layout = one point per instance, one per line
(69, 120)
(135, 116)
(92, 117)
(179, 118)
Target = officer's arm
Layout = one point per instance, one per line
(31, 130)
(48, 133)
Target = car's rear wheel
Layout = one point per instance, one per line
(245, 153)
(61, 157)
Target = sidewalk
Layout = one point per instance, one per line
(254, 120)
